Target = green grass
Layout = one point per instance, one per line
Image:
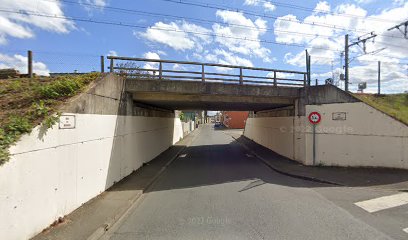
(26, 103)
(395, 105)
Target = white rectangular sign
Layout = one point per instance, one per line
(67, 122)
(339, 116)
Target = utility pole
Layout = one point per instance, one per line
(346, 63)
(346, 51)
(379, 77)
(404, 32)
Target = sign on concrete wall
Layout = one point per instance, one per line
(67, 122)
(339, 116)
(315, 118)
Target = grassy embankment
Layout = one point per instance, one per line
(395, 105)
(26, 103)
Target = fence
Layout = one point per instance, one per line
(59, 63)
(142, 68)
(44, 63)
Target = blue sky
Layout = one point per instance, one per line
(166, 29)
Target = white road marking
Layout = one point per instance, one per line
(381, 203)
(249, 155)
(405, 230)
(183, 155)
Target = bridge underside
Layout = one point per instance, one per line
(187, 95)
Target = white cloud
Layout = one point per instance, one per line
(178, 35)
(19, 63)
(266, 4)
(364, 1)
(20, 25)
(398, 2)
(160, 52)
(89, 5)
(112, 53)
(322, 6)
(178, 67)
(252, 2)
(227, 58)
(322, 49)
(151, 65)
(269, 6)
(239, 39)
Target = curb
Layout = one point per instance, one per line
(101, 231)
(269, 165)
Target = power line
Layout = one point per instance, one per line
(201, 20)
(213, 6)
(122, 24)
(207, 21)
(298, 7)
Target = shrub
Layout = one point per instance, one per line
(65, 86)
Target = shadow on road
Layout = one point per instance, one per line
(205, 165)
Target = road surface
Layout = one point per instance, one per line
(217, 190)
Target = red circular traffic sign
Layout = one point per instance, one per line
(315, 117)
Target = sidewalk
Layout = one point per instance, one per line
(91, 220)
(384, 178)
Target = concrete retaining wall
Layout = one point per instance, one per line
(366, 137)
(50, 175)
(187, 127)
(272, 132)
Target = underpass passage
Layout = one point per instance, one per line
(217, 190)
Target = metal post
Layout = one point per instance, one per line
(160, 70)
(202, 73)
(307, 66)
(241, 79)
(102, 64)
(379, 77)
(30, 64)
(317, 83)
(111, 65)
(309, 77)
(275, 82)
(304, 79)
(314, 144)
(308, 60)
(346, 63)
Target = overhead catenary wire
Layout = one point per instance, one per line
(201, 20)
(217, 22)
(212, 6)
(307, 9)
(123, 24)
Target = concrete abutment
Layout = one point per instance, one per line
(50, 175)
(351, 133)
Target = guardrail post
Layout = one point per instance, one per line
(202, 73)
(111, 65)
(160, 70)
(241, 79)
(304, 79)
(275, 82)
(102, 64)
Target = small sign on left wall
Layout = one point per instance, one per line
(67, 122)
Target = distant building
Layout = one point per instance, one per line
(234, 119)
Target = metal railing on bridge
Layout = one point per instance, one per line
(142, 68)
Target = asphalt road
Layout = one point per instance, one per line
(217, 190)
